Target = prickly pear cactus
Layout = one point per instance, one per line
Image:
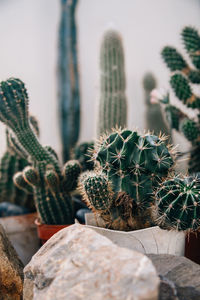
(178, 204)
(184, 76)
(53, 201)
(68, 78)
(112, 104)
(12, 162)
(130, 167)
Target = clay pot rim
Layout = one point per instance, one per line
(48, 226)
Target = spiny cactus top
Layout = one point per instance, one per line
(184, 76)
(112, 105)
(52, 198)
(131, 165)
(178, 204)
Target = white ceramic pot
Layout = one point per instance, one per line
(22, 232)
(149, 240)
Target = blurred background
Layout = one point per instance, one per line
(29, 43)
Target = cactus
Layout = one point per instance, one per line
(82, 154)
(153, 111)
(68, 78)
(112, 105)
(52, 198)
(178, 204)
(130, 167)
(12, 162)
(183, 77)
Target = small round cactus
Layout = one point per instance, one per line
(178, 204)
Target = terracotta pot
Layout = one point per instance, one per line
(22, 233)
(45, 231)
(192, 247)
(149, 240)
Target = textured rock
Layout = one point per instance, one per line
(180, 277)
(77, 263)
(11, 270)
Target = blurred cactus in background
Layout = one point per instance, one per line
(82, 153)
(68, 78)
(153, 117)
(51, 185)
(112, 104)
(13, 161)
(183, 76)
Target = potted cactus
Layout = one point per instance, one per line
(51, 185)
(130, 192)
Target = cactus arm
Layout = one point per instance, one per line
(191, 40)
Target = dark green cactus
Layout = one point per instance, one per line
(178, 204)
(181, 82)
(82, 154)
(131, 165)
(112, 105)
(68, 78)
(153, 111)
(52, 199)
(13, 161)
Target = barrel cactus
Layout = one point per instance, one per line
(184, 76)
(130, 167)
(112, 104)
(44, 176)
(178, 204)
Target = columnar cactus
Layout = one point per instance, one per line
(68, 78)
(178, 204)
(52, 198)
(112, 104)
(15, 160)
(130, 167)
(181, 81)
(153, 111)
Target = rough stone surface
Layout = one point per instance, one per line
(11, 270)
(180, 277)
(77, 263)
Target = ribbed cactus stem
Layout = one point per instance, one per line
(112, 105)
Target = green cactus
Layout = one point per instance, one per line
(153, 111)
(131, 165)
(178, 204)
(181, 82)
(15, 160)
(112, 105)
(53, 201)
(82, 154)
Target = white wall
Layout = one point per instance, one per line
(28, 35)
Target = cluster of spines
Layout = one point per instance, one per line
(112, 104)
(181, 79)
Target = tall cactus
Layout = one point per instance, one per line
(50, 185)
(13, 161)
(68, 78)
(153, 111)
(112, 105)
(183, 76)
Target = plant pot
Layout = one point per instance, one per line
(192, 247)
(22, 233)
(45, 231)
(149, 240)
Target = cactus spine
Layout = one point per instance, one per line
(131, 165)
(181, 81)
(53, 200)
(112, 105)
(68, 78)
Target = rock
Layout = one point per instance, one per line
(180, 277)
(77, 263)
(11, 270)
